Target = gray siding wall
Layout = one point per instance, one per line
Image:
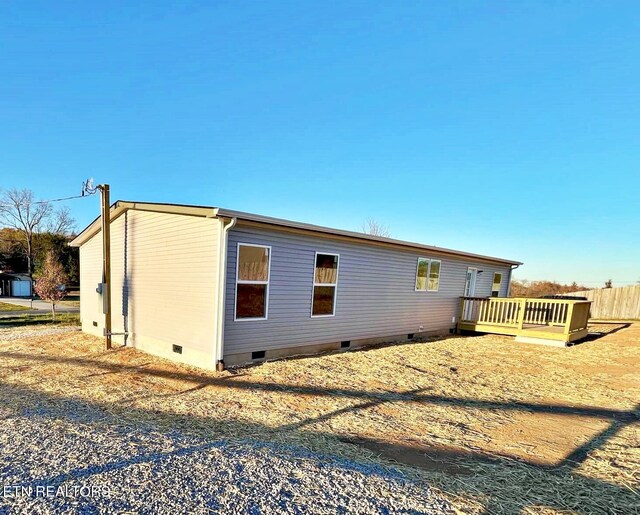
(376, 292)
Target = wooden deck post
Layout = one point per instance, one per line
(522, 307)
(567, 326)
(460, 314)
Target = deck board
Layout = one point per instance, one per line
(530, 331)
(529, 320)
(544, 328)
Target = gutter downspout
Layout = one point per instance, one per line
(222, 281)
(513, 267)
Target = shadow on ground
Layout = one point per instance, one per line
(37, 318)
(441, 463)
(601, 329)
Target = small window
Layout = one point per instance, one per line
(325, 284)
(434, 275)
(421, 274)
(495, 288)
(428, 274)
(252, 281)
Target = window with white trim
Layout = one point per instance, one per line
(421, 274)
(325, 285)
(252, 281)
(495, 287)
(428, 274)
(434, 275)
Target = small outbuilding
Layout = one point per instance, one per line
(14, 285)
(252, 287)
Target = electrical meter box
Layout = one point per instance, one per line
(101, 290)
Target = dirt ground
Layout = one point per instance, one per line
(497, 426)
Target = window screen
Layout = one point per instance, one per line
(325, 284)
(428, 274)
(252, 283)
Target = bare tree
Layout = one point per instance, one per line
(19, 210)
(51, 281)
(61, 222)
(536, 289)
(375, 228)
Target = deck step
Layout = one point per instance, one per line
(540, 341)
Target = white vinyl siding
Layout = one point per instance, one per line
(163, 273)
(90, 276)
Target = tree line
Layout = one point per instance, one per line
(537, 289)
(32, 229)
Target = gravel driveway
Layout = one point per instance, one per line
(71, 447)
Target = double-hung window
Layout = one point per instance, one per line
(252, 282)
(495, 287)
(325, 285)
(422, 274)
(428, 274)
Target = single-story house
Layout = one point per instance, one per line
(212, 287)
(15, 285)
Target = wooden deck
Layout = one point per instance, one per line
(545, 321)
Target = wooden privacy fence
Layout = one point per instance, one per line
(613, 303)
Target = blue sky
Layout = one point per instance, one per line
(503, 128)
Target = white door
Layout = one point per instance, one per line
(470, 285)
(470, 291)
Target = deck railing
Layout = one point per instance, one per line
(573, 315)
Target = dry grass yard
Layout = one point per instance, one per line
(496, 426)
(11, 307)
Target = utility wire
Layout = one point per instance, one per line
(87, 190)
(48, 201)
(61, 199)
